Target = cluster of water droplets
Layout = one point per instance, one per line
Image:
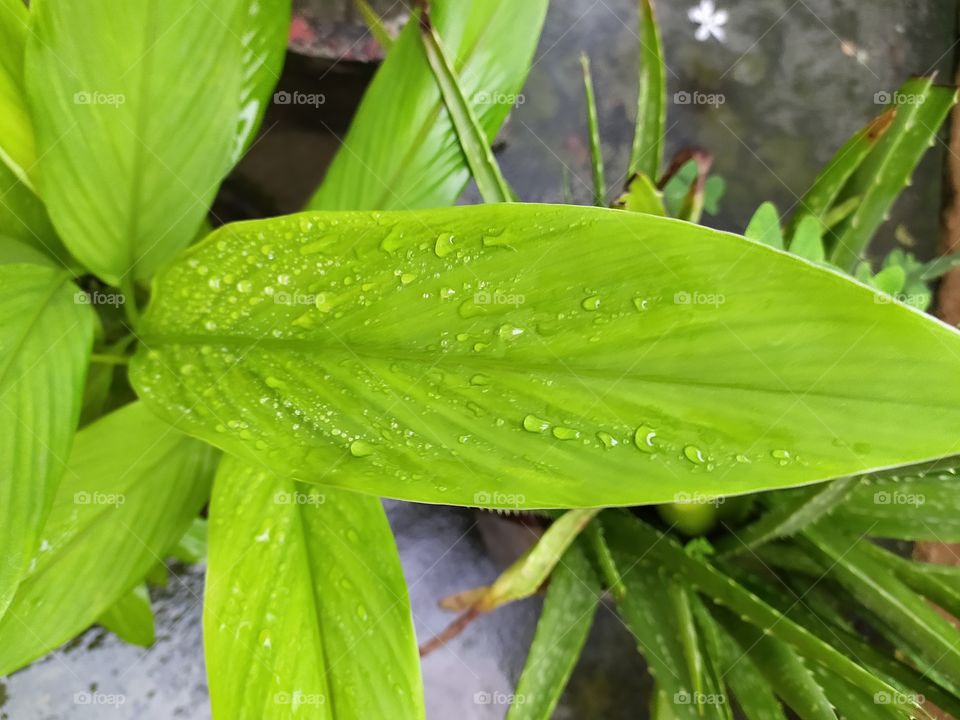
(332, 283)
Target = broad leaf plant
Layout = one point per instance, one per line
(708, 428)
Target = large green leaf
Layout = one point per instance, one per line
(402, 150)
(536, 356)
(17, 148)
(132, 487)
(305, 607)
(24, 221)
(131, 154)
(45, 340)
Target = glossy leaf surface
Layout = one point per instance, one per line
(402, 149)
(539, 356)
(132, 487)
(131, 155)
(45, 340)
(305, 607)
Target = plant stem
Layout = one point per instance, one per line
(108, 359)
(130, 306)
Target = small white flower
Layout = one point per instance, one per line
(710, 20)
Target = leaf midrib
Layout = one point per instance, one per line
(505, 364)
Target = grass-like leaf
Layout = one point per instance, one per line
(908, 507)
(820, 200)
(593, 131)
(647, 152)
(791, 511)
(476, 148)
(661, 551)
(920, 110)
(419, 162)
(880, 592)
(568, 610)
(784, 670)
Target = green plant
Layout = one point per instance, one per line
(503, 356)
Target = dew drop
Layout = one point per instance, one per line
(781, 456)
(565, 433)
(444, 245)
(607, 439)
(643, 438)
(531, 423)
(361, 448)
(480, 379)
(591, 303)
(694, 454)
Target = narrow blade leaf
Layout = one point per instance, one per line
(473, 141)
(647, 152)
(402, 150)
(909, 507)
(920, 111)
(568, 611)
(593, 130)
